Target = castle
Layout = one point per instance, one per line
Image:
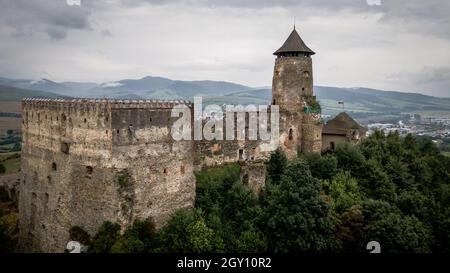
(86, 161)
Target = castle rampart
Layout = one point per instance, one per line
(75, 151)
(86, 161)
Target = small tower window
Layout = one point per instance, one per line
(253, 154)
(89, 170)
(216, 148)
(54, 166)
(241, 154)
(274, 102)
(290, 134)
(332, 145)
(165, 171)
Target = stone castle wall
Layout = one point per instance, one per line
(86, 161)
(161, 169)
(72, 155)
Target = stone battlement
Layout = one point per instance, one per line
(112, 103)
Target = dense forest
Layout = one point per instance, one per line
(391, 189)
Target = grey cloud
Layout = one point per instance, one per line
(429, 17)
(106, 33)
(433, 75)
(431, 80)
(423, 17)
(55, 18)
(327, 4)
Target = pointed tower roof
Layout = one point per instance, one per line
(294, 44)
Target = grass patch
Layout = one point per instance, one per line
(123, 179)
(217, 174)
(11, 162)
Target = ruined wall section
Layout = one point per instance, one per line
(312, 133)
(218, 152)
(67, 181)
(251, 154)
(160, 169)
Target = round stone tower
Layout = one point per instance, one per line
(292, 91)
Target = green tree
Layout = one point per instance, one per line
(105, 238)
(213, 184)
(128, 244)
(276, 165)
(7, 240)
(200, 236)
(348, 228)
(322, 167)
(297, 218)
(343, 190)
(351, 159)
(399, 174)
(376, 183)
(415, 203)
(80, 235)
(187, 232)
(396, 233)
(241, 207)
(251, 241)
(140, 237)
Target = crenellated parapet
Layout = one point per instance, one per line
(110, 103)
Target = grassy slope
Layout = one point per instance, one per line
(8, 93)
(11, 161)
(356, 100)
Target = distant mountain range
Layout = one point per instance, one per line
(356, 99)
(145, 88)
(9, 93)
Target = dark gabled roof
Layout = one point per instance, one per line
(342, 122)
(294, 44)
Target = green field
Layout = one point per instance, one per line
(11, 161)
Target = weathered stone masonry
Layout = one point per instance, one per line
(73, 153)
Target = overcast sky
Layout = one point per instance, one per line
(399, 45)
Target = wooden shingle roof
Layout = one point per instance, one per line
(294, 44)
(342, 123)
